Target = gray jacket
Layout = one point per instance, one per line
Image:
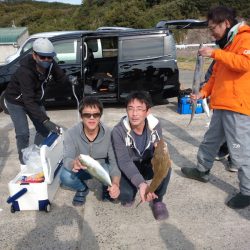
(130, 161)
(76, 143)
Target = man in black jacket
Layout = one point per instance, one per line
(25, 92)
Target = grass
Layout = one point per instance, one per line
(188, 63)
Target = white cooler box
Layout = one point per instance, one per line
(38, 196)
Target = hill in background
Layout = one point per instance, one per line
(42, 16)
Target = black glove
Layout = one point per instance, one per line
(52, 127)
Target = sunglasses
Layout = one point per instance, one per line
(44, 57)
(89, 115)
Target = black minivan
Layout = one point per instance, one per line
(110, 64)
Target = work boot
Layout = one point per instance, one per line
(239, 201)
(194, 173)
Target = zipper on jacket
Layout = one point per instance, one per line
(46, 80)
(90, 149)
(18, 97)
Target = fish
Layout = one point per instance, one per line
(205, 107)
(196, 81)
(161, 163)
(95, 169)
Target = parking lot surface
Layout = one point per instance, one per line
(199, 218)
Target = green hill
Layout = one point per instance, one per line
(42, 16)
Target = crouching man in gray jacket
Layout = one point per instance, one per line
(134, 138)
(89, 137)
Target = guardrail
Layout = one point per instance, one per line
(194, 45)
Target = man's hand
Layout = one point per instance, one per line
(146, 196)
(114, 191)
(52, 127)
(76, 166)
(206, 51)
(196, 97)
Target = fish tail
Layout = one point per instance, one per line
(194, 105)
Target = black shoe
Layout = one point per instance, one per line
(221, 155)
(230, 167)
(194, 173)
(80, 197)
(239, 201)
(223, 152)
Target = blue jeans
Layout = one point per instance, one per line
(128, 190)
(18, 116)
(74, 180)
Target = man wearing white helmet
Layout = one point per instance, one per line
(25, 91)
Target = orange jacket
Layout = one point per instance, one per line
(229, 84)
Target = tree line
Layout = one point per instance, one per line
(91, 14)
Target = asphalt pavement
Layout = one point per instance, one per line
(199, 218)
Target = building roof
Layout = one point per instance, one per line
(10, 35)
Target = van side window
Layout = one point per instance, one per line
(142, 48)
(66, 51)
(109, 47)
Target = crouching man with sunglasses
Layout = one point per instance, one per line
(25, 93)
(89, 137)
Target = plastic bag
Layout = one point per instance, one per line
(32, 159)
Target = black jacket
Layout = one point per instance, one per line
(27, 85)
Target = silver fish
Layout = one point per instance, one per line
(205, 107)
(196, 81)
(95, 169)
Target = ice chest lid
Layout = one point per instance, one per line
(51, 153)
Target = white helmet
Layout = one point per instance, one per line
(44, 47)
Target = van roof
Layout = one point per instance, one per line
(54, 33)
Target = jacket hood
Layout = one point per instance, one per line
(237, 29)
(152, 122)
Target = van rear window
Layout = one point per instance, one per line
(142, 48)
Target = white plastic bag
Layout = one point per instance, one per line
(32, 160)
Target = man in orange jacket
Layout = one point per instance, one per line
(229, 91)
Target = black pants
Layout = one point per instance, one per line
(128, 190)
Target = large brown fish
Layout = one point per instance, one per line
(161, 164)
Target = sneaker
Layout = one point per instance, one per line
(230, 167)
(239, 201)
(128, 204)
(221, 155)
(160, 211)
(194, 173)
(80, 197)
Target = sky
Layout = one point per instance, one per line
(77, 2)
